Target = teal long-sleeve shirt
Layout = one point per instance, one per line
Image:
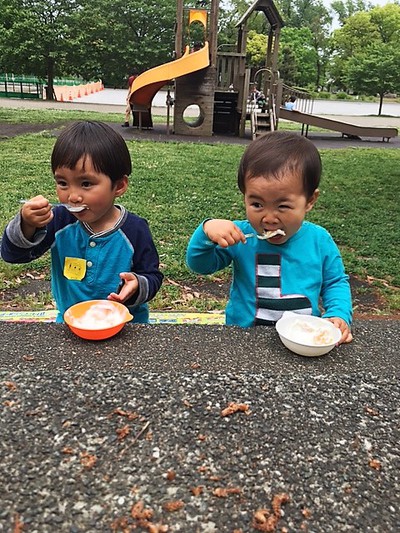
(304, 275)
(85, 265)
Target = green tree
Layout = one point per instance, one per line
(346, 8)
(311, 14)
(297, 57)
(127, 34)
(372, 71)
(256, 49)
(35, 37)
(88, 38)
(366, 52)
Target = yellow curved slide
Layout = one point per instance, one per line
(146, 86)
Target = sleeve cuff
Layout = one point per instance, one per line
(142, 294)
(14, 233)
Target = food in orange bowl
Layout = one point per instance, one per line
(97, 319)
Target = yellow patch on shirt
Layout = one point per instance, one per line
(74, 268)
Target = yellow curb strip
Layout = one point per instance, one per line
(155, 317)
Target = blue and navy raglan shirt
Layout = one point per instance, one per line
(268, 279)
(86, 265)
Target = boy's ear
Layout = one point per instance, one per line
(121, 186)
(311, 202)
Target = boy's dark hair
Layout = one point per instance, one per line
(105, 147)
(278, 152)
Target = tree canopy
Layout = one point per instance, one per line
(90, 38)
(367, 57)
(346, 8)
(107, 39)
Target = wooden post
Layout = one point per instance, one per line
(168, 102)
(178, 28)
(242, 126)
(213, 32)
(278, 100)
(274, 63)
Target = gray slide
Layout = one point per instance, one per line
(352, 130)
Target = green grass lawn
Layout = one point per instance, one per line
(53, 116)
(176, 185)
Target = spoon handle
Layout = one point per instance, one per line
(261, 237)
(71, 208)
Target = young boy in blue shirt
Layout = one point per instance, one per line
(99, 248)
(280, 262)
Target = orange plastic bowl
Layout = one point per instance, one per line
(96, 320)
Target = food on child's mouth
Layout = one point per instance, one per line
(305, 333)
(273, 233)
(99, 316)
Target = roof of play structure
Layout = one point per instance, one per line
(270, 11)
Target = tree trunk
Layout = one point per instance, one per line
(380, 103)
(319, 66)
(50, 95)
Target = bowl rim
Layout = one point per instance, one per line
(295, 316)
(67, 318)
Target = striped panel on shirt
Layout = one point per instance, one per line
(270, 303)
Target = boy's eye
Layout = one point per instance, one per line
(284, 206)
(61, 183)
(86, 184)
(257, 205)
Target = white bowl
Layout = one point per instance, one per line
(297, 343)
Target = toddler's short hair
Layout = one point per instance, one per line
(106, 148)
(278, 152)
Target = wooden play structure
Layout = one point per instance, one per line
(221, 90)
(217, 82)
(213, 80)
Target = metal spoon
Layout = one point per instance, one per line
(71, 208)
(249, 235)
(263, 237)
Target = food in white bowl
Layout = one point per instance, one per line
(307, 335)
(314, 335)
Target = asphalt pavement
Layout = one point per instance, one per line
(104, 436)
(128, 434)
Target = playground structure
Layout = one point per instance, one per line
(215, 81)
(218, 83)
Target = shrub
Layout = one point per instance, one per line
(324, 95)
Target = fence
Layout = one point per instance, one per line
(64, 89)
(304, 99)
(16, 87)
